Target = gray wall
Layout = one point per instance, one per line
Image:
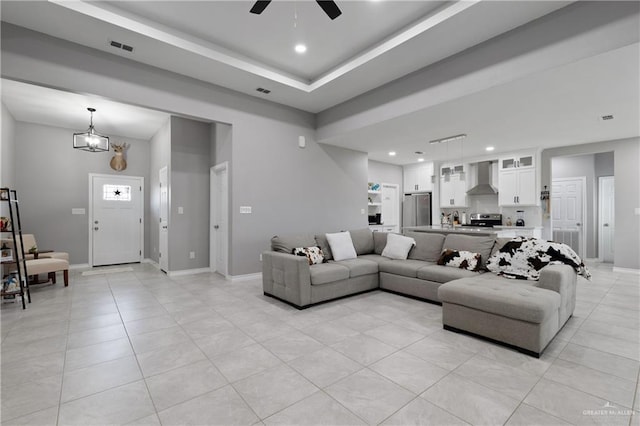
(627, 198)
(263, 134)
(581, 166)
(385, 173)
(319, 188)
(190, 159)
(159, 156)
(53, 178)
(7, 154)
(7, 149)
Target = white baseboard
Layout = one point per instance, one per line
(151, 262)
(79, 266)
(626, 270)
(188, 272)
(245, 277)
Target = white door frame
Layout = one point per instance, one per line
(90, 217)
(163, 256)
(213, 243)
(600, 221)
(583, 227)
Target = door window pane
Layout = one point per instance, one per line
(116, 192)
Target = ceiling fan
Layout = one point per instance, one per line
(329, 7)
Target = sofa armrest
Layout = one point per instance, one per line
(286, 277)
(562, 279)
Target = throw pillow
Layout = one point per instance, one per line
(314, 254)
(341, 246)
(398, 246)
(460, 259)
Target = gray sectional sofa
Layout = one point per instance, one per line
(523, 314)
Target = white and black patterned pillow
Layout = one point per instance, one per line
(314, 254)
(460, 259)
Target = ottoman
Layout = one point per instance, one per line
(511, 312)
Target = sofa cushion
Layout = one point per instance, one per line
(373, 257)
(406, 268)
(321, 241)
(358, 267)
(398, 246)
(428, 246)
(362, 240)
(472, 243)
(286, 243)
(341, 245)
(525, 303)
(324, 273)
(460, 259)
(314, 255)
(444, 274)
(379, 241)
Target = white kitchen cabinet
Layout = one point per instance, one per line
(517, 181)
(418, 178)
(453, 186)
(517, 162)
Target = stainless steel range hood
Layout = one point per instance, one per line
(484, 186)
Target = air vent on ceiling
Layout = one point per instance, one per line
(607, 117)
(122, 46)
(419, 152)
(263, 90)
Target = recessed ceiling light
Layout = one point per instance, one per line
(300, 48)
(490, 148)
(392, 153)
(420, 160)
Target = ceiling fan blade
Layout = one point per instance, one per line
(330, 8)
(260, 6)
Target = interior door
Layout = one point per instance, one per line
(163, 250)
(606, 218)
(219, 219)
(567, 212)
(117, 210)
(391, 205)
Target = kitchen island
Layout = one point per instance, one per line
(497, 231)
(439, 229)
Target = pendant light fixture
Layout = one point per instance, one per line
(90, 140)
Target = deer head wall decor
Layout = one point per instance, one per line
(118, 162)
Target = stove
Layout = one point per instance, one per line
(484, 220)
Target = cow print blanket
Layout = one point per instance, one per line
(523, 258)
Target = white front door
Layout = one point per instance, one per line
(163, 243)
(567, 195)
(219, 221)
(606, 218)
(116, 225)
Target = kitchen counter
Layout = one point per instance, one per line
(528, 228)
(471, 230)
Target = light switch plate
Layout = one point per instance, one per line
(78, 211)
(637, 211)
(180, 210)
(245, 209)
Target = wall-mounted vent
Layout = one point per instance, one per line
(607, 117)
(122, 46)
(263, 90)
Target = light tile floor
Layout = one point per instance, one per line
(141, 348)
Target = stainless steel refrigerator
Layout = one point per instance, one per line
(416, 210)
